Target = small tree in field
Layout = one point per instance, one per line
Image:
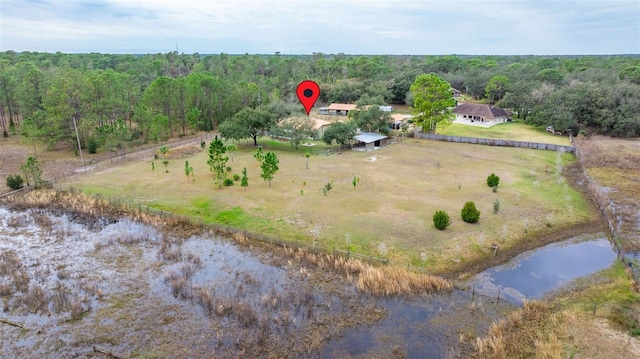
(441, 220)
(493, 180)
(470, 213)
(188, 170)
(269, 166)
(327, 187)
(231, 149)
(259, 155)
(217, 160)
(32, 172)
(163, 151)
(245, 181)
(307, 155)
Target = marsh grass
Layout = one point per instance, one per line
(388, 281)
(574, 321)
(376, 280)
(516, 336)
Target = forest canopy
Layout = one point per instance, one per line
(117, 99)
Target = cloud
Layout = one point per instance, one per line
(305, 26)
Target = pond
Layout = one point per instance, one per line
(533, 274)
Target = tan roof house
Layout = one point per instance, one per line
(340, 109)
(320, 126)
(398, 120)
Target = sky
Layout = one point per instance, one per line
(371, 27)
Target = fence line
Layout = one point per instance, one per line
(138, 154)
(494, 142)
(350, 254)
(23, 189)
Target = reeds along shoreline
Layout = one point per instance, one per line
(376, 280)
(519, 336)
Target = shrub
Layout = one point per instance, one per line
(496, 206)
(470, 213)
(228, 182)
(92, 145)
(493, 180)
(15, 181)
(229, 168)
(165, 162)
(441, 220)
(236, 177)
(202, 144)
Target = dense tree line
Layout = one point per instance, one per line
(114, 99)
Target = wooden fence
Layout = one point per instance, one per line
(139, 154)
(494, 142)
(348, 254)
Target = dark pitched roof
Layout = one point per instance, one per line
(486, 111)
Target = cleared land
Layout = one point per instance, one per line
(515, 131)
(388, 214)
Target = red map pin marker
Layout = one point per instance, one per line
(308, 92)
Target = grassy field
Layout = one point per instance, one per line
(389, 213)
(515, 131)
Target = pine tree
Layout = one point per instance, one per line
(218, 161)
(245, 181)
(269, 166)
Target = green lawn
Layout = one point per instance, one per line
(515, 131)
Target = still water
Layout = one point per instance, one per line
(534, 273)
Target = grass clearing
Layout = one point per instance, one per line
(515, 131)
(390, 212)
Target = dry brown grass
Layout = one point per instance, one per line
(376, 280)
(614, 168)
(540, 331)
(399, 281)
(517, 335)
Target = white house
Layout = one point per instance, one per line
(480, 114)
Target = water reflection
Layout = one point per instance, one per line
(532, 274)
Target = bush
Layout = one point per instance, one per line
(470, 213)
(236, 177)
(441, 220)
(92, 145)
(228, 182)
(493, 180)
(229, 168)
(202, 144)
(15, 181)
